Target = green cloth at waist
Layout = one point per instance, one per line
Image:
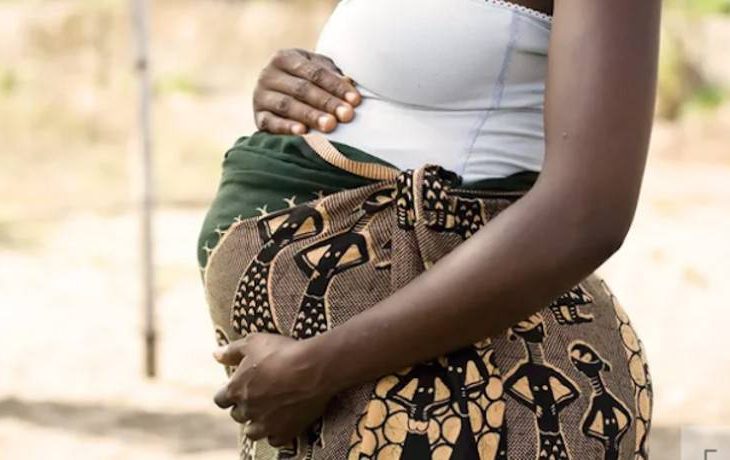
(268, 172)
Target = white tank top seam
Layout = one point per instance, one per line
(497, 93)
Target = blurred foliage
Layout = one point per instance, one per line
(179, 83)
(702, 6)
(683, 81)
(8, 81)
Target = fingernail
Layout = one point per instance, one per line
(351, 97)
(343, 112)
(298, 129)
(324, 122)
(218, 353)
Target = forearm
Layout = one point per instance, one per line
(598, 112)
(516, 264)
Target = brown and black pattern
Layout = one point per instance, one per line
(450, 408)
(448, 212)
(640, 377)
(252, 309)
(324, 260)
(568, 382)
(404, 200)
(607, 418)
(567, 308)
(542, 388)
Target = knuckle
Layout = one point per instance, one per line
(231, 392)
(236, 393)
(283, 104)
(299, 66)
(329, 103)
(263, 78)
(312, 116)
(241, 395)
(281, 57)
(317, 75)
(341, 89)
(263, 121)
(250, 395)
(257, 96)
(302, 88)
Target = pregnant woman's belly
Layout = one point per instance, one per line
(458, 83)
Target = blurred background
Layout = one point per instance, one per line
(72, 378)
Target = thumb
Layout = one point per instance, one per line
(231, 354)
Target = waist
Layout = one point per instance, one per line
(474, 143)
(265, 173)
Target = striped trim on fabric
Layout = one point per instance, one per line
(331, 155)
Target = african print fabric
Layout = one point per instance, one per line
(305, 234)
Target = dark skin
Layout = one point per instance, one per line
(299, 90)
(598, 117)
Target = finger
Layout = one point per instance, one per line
(287, 107)
(307, 92)
(223, 398)
(274, 124)
(239, 414)
(255, 431)
(315, 71)
(277, 441)
(328, 62)
(231, 354)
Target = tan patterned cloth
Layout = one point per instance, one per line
(569, 382)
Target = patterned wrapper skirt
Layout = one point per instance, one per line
(304, 234)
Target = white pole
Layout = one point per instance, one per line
(140, 16)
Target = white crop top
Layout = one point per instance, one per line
(458, 83)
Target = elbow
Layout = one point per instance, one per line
(607, 244)
(600, 238)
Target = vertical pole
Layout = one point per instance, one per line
(141, 36)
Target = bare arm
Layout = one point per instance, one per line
(599, 108)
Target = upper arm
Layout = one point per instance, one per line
(600, 102)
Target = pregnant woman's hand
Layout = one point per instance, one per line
(276, 390)
(299, 90)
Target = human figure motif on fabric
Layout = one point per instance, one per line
(252, 309)
(321, 262)
(468, 378)
(423, 392)
(542, 388)
(567, 308)
(607, 418)
(326, 259)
